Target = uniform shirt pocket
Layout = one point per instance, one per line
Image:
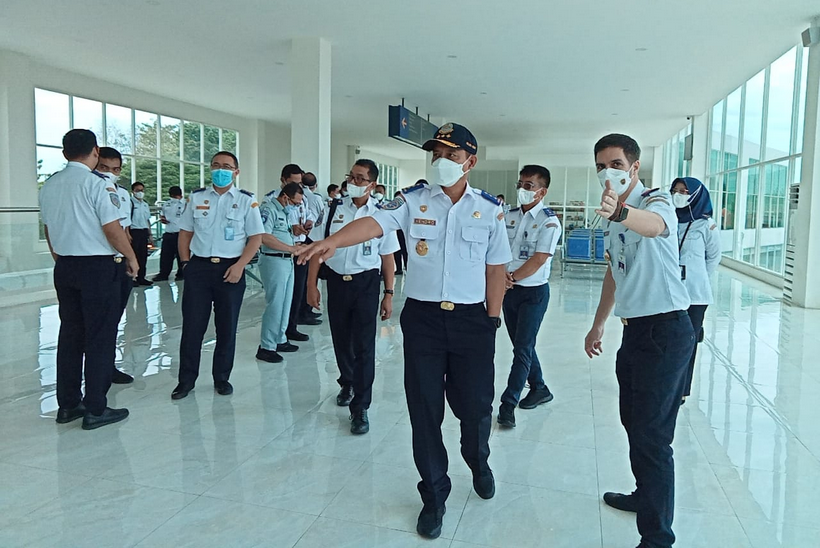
(424, 232)
(236, 220)
(203, 217)
(476, 239)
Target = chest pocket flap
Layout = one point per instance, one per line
(476, 239)
(424, 232)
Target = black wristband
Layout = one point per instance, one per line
(389, 292)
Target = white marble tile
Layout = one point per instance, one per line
(765, 534)
(26, 489)
(345, 534)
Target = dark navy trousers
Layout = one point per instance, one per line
(524, 309)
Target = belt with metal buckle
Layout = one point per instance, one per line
(447, 305)
(655, 317)
(283, 255)
(347, 278)
(118, 260)
(213, 260)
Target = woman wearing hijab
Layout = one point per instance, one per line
(699, 245)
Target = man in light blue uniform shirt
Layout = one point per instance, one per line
(140, 229)
(171, 214)
(220, 233)
(276, 268)
(455, 286)
(533, 231)
(643, 284)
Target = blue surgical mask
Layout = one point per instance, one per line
(290, 209)
(222, 177)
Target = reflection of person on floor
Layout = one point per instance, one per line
(136, 334)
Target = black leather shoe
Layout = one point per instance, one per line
(286, 347)
(312, 314)
(345, 396)
(309, 321)
(536, 397)
(619, 501)
(430, 519)
(120, 377)
(360, 424)
(223, 388)
(269, 356)
(145, 282)
(179, 277)
(108, 416)
(506, 415)
(65, 416)
(484, 484)
(159, 279)
(181, 391)
(296, 336)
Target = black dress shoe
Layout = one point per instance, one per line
(145, 282)
(179, 277)
(286, 347)
(269, 356)
(430, 519)
(65, 416)
(119, 377)
(296, 336)
(312, 314)
(619, 501)
(484, 484)
(181, 391)
(108, 416)
(309, 321)
(159, 279)
(345, 396)
(506, 415)
(223, 388)
(536, 397)
(360, 424)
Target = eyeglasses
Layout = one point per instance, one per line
(527, 185)
(358, 179)
(229, 167)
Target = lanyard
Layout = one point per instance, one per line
(680, 245)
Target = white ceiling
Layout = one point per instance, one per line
(562, 73)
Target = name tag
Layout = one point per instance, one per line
(203, 207)
(229, 233)
(428, 222)
(524, 252)
(367, 248)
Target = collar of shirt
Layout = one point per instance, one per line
(79, 164)
(435, 190)
(369, 206)
(534, 211)
(232, 191)
(636, 196)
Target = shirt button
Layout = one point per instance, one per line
(449, 253)
(449, 232)
(446, 273)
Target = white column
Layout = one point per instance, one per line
(310, 106)
(700, 153)
(657, 168)
(18, 161)
(805, 290)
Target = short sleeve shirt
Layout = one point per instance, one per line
(536, 231)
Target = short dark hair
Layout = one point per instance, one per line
(292, 189)
(381, 185)
(372, 169)
(617, 140)
(174, 191)
(307, 177)
(331, 188)
(538, 171)
(422, 181)
(229, 154)
(291, 169)
(501, 196)
(344, 185)
(79, 143)
(110, 153)
(135, 183)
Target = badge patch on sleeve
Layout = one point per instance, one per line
(394, 204)
(115, 199)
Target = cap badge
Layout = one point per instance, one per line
(445, 130)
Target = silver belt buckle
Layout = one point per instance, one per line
(447, 305)
(118, 260)
(347, 278)
(216, 260)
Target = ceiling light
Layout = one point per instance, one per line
(452, 57)
(279, 63)
(614, 113)
(502, 115)
(348, 97)
(483, 93)
(640, 49)
(625, 89)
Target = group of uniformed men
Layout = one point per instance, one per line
(466, 262)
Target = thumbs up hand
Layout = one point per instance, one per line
(609, 202)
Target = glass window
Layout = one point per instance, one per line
(775, 194)
(753, 119)
(715, 137)
(729, 191)
(752, 196)
(51, 116)
(230, 141)
(169, 137)
(88, 115)
(169, 176)
(192, 141)
(49, 161)
(732, 137)
(193, 178)
(125, 176)
(801, 105)
(118, 130)
(781, 97)
(145, 131)
(211, 142)
(146, 173)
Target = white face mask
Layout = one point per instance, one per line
(446, 172)
(526, 197)
(139, 195)
(379, 196)
(112, 178)
(357, 191)
(619, 179)
(680, 200)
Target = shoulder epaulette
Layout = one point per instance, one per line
(100, 175)
(337, 201)
(122, 187)
(487, 196)
(649, 192)
(415, 187)
(198, 190)
(550, 212)
(515, 209)
(245, 192)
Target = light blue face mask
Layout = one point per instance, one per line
(289, 209)
(222, 177)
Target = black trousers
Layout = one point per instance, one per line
(126, 285)
(401, 254)
(139, 241)
(651, 368)
(696, 314)
(352, 308)
(206, 288)
(168, 253)
(448, 354)
(300, 273)
(88, 291)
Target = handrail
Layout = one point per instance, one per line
(22, 209)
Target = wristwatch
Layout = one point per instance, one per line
(496, 320)
(389, 292)
(620, 213)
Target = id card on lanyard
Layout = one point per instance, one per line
(680, 248)
(622, 254)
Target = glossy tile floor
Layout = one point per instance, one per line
(275, 465)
